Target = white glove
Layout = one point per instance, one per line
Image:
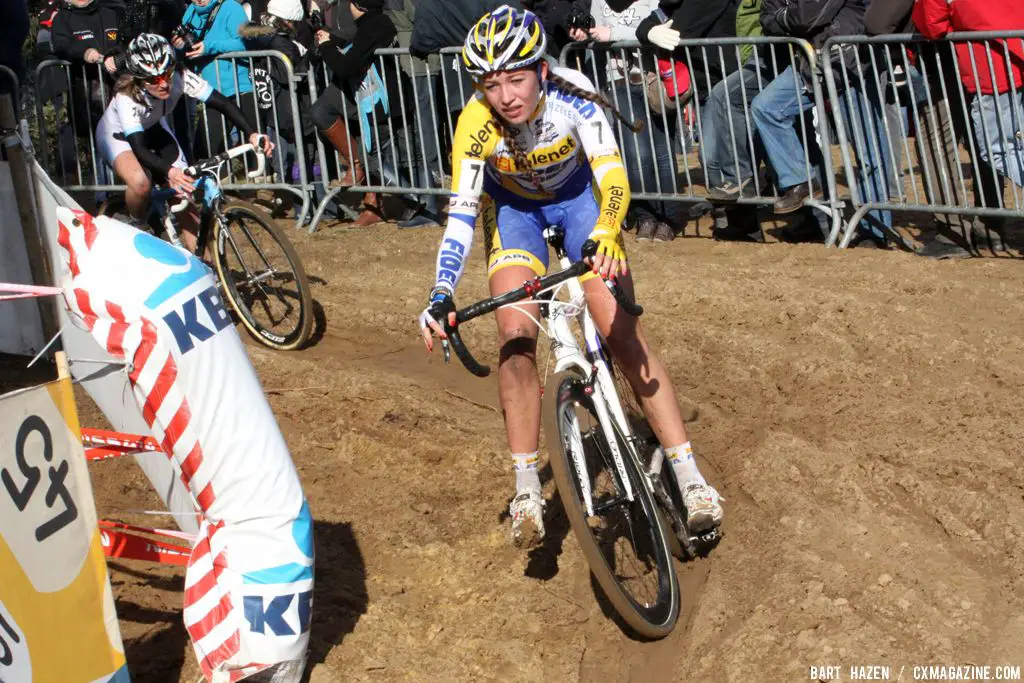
(664, 36)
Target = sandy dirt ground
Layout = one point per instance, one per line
(858, 410)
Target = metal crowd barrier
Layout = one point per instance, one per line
(66, 151)
(709, 155)
(401, 149)
(916, 144)
(13, 86)
(891, 129)
(238, 179)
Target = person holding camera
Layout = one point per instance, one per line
(210, 28)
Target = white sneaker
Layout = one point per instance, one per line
(527, 511)
(703, 510)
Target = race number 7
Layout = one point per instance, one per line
(471, 180)
(600, 131)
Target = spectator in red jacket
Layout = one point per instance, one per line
(997, 110)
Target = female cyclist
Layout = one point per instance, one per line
(134, 136)
(527, 152)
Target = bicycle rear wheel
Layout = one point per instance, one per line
(263, 277)
(625, 541)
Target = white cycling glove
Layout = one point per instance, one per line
(664, 36)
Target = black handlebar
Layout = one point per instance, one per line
(528, 290)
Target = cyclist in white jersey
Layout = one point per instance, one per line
(134, 135)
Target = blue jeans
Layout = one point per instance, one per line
(998, 126)
(647, 155)
(863, 112)
(774, 112)
(725, 109)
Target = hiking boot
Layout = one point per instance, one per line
(942, 250)
(527, 512)
(703, 510)
(420, 220)
(645, 229)
(729, 191)
(664, 233)
(804, 232)
(373, 211)
(792, 199)
(728, 234)
(869, 240)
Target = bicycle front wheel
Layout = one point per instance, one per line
(263, 277)
(624, 541)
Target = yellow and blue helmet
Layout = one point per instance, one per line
(503, 39)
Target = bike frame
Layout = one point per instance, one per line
(592, 362)
(207, 175)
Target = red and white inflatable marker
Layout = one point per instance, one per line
(249, 583)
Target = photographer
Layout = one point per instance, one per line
(210, 28)
(557, 17)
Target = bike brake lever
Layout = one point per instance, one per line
(447, 351)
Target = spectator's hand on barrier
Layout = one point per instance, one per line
(322, 37)
(180, 181)
(198, 50)
(578, 34)
(440, 305)
(93, 56)
(601, 34)
(610, 259)
(110, 65)
(664, 36)
(262, 142)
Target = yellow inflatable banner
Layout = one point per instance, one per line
(57, 618)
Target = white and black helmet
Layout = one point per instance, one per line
(149, 55)
(503, 39)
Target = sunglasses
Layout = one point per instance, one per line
(163, 78)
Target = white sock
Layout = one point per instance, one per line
(683, 465)
(525, 466)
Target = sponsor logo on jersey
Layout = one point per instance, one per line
(479, 139)
(545, 132)
(585, 108)
(460, 205)
(453, 253)
(547, 156)
(111, 34)
(609, 213)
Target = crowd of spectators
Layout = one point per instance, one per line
(750, 106)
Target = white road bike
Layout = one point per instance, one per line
(625, 512)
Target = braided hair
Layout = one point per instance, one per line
(519, 154)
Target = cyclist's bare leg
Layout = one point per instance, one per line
(653, 387)
(640, 364)
(138, 184)
(188, 224)
(518, 384)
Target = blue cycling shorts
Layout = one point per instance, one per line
(514, 227)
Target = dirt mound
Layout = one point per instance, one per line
(857, 410)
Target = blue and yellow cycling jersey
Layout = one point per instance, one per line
(569, 145)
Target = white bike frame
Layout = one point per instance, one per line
(592, 363)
